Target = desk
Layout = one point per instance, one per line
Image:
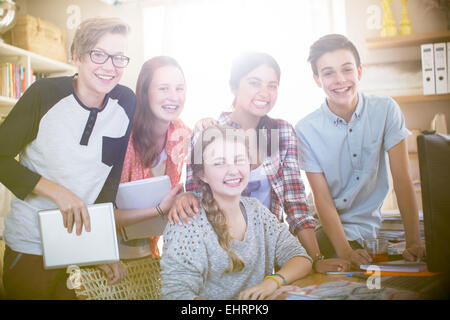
(319, 278)
(436, 287)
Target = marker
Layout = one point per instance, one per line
(348, 274)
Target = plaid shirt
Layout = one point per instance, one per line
(283, 173)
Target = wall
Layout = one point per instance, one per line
(57, 13)
(397, 71)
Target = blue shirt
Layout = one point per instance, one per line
(353, 158)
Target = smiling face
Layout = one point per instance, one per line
(339, 76)
(257, 91)
(226, 168)
(167, 93)
(99, 79)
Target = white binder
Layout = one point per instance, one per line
(428, 76)
(440, 67)
(448, 67)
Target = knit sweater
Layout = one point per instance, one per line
(193, 263)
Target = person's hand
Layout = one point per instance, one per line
(186, 205)
(73, 210)
(259, 292)
(280, 294)
(204, 123)
(332, 265)
(358, 257)
(414, 252)
(170, 198)
(115, 272)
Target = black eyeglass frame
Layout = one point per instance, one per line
(109, 56)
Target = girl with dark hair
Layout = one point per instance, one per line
(158, 144)
(231, 250)
(275, 178)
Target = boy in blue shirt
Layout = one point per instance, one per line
(344, 148)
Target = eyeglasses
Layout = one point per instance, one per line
(100, 57)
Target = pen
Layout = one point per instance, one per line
(348, 274)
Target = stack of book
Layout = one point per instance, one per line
(12, 80)
(392, 226)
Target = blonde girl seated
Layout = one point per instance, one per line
(232, 247)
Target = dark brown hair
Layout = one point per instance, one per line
(329, 43)
(242, 65)
(142, 131)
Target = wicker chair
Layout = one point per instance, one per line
(2, 252)
(142, 283)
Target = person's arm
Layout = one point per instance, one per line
(73, 209)
(187, 204)
(183, 268)
(289, 254)
(298, 216)
(19, 129)
(129, 217)
(204, 123)
(294, 269)
(331, 223)
(307, 238)
(406, 199)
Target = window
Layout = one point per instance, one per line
(204, 36)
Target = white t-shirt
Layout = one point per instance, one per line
(258, 186)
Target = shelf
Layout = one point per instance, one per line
(6, 105)
(422, 98)
(31, 61)
(407, 40)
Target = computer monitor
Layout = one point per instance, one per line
(434, 165)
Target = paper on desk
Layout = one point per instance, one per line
(398, 266)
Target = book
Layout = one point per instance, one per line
(440, 67)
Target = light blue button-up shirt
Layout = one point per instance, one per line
(353, 158)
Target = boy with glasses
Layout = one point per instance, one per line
(71, 133)
(344, 148)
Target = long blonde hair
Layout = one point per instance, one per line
(214, 213)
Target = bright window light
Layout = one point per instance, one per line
(204, 37)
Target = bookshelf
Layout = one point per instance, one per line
(421, 98)
(30, 61)
(412, 40)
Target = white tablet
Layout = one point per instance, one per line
(141, 194)
(61, 248)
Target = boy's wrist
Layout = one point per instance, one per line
(345, 253)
